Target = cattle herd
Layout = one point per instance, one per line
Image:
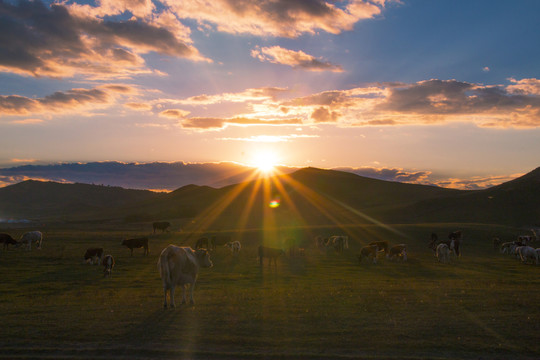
(521, 248)
(179, 266)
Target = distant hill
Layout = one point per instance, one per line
(50, 200)
(308, 196)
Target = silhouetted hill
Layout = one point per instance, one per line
(308, 197)
(516, 202)
(47, 200)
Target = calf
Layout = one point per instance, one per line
(455, 237)
(108, 264)
(270, 253)
(180, 266)
(398, 251)
(92, 254)
(369, 251)
(443, 253)
(136, 244)
(7, 240)
(235, 246)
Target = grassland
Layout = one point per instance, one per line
(324, 305)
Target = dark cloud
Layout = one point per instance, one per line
(454, 97)
(50, 41)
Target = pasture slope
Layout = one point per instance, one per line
(320, 306)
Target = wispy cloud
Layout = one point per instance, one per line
(296, 59)
(270, 138)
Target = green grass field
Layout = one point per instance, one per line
(483, 306)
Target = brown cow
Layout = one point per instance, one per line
(369, 251)
(382, 245)
(202, 243)
(398, 251)
(270, 253)
(92, 253)
(136, 244)
(161, 225)
(7, 240)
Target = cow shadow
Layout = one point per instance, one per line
(178, 328)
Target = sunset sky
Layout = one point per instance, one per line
(447, 88)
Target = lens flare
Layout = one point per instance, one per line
(275, 202)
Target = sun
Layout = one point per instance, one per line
(264, 161)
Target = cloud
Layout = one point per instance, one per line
(390, 174)
(170, 176)
(475, 182)
(425, 102)
(284, 18)
(296, 59)
(254, 94)
(63, 41)
(212, 123)
(63, 101)
(174, 113)
(270, 138)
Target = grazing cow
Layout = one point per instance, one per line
(270, 253)
(161, 225)
(456, 238)
(443, 253)
(398, 251)
(202, 243)
(136, 244)
(30, 237)
(93, 253)
(527, 253)
(369, 251)
(382, 245)
(219, 240)
(338, 242)
(180, 266)
(108, 264)
(235, 246)
(7, 240)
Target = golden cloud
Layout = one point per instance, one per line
(296, 59)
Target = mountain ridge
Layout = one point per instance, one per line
(309, 196)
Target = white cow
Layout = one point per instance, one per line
(108, 264)
(527, 253)
(443, 253)
(180, 266)
(29, 237)
(235, 246)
